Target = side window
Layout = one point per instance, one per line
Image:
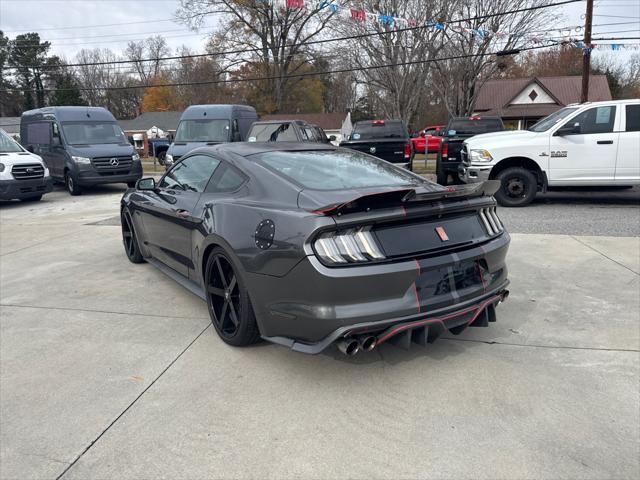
(191, 174)
(228, 179)
(633, 118)
(39, 133)
(595, 120)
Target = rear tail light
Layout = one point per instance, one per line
(356, 245)
(445, 150)
(490, 220)
(407, 150)
(378, 122)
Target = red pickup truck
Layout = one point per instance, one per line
(428, 138)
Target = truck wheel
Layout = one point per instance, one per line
(161, 157)
(442, 177)
(518, 187)
(72, 185)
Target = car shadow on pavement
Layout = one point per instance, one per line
(591, 196)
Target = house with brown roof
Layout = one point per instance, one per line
(521, 102)
(337, 124)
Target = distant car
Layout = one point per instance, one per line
(287, 131)
(307, 245)
(450, 151)
(428, 140)
(385, 139)
(23, 175)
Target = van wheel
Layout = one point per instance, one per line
(161, 157)
(442, 178)
(518, 187)
(72, 186)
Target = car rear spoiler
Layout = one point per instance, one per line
(409, 195)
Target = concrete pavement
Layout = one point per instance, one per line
(110, 370)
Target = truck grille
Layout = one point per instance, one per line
(27, 172)
(112, 165)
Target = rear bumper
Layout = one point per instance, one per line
(20, 189)
(313, 305)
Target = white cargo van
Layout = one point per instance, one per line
(590, 144)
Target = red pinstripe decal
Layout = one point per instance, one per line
(477, 308)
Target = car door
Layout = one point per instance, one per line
(587, 156)
(169, 218)
(628, 163)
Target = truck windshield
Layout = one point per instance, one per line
(547, 122)
(8, 144)
(369, 130)
(203, 131)
(93, 133)
(336, 169)
(466, 126)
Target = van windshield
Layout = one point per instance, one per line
(203, 131)
(8, 144)
(93, 133)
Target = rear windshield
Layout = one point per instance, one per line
(467, 126)
(273, 132)
(93, 133)
(203, 131)
(8, 144)
(336, 169)
(369, 130)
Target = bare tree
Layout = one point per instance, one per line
(459, 80)
(151, 48)
(395, 62)
(279, 34)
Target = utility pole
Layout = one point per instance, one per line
(586, 53)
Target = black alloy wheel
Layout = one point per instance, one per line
(518, 187)
(129, 239)
(228, 301)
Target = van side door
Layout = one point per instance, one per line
(39, 142)
(628, 164)
(587, 156)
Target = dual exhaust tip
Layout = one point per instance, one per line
(352, 345)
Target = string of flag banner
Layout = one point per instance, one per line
(358, 14)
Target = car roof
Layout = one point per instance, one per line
(268, 122)
(245, 149)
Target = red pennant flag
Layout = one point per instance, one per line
(357, 14)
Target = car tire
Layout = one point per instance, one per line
(228, 301)
(71, 184)
(130, 239)
(161, 157)
(35, 198)
(518, 187)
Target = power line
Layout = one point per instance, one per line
(295, 75)
(314, 42)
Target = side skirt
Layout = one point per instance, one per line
(190, 285)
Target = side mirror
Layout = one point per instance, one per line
(569, 130)
(332, 138)
(236, 137)
(422, 134)
(56, 142)
(146, 184)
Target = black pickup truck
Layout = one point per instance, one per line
(385, 139)
(457, 131)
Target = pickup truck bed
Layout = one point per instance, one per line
(385, 139)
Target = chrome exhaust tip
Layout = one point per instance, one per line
(368, 343)
(349, 346)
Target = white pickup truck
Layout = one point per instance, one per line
(589, 144)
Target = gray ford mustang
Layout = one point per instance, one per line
(307, 245)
